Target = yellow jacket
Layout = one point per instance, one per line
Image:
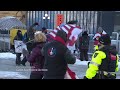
(96, 61)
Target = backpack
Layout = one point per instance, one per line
(84, 43)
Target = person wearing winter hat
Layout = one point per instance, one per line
(57, 56)
(19, 37)
(44, 30)
(100, 32)
(104, 63)
(84, 46)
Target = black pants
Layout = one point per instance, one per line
(24, 60)
(36, 76)
(18, 59)
(84, 54)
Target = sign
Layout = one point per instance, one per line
(19, 46)
(60, 19)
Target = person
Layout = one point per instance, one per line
(35, 58)
(57, 56)
(75, 31)
(28, 40)
(29, 36)
(44, 30)
(100, 33)
(72, 31)
(84, 46)
(20, 38)
(49, 39)
(104, 62)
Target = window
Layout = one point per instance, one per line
(4, 32)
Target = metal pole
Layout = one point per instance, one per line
(46, 23)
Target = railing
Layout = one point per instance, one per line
(86, 19)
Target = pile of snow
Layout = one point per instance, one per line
(78, 62)
(7, 55)
(11, 75)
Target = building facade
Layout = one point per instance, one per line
(88, 20)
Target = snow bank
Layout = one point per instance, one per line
(78, 62)
(11, 75)
(7, 55)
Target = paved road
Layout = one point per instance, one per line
(9, 65)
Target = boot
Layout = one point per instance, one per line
(17, 62)
(24, 61)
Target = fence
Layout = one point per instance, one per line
(86, 19)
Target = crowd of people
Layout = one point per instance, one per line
(50, 53)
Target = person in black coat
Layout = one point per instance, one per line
(57, 56)
(84, 46)
(18, 55)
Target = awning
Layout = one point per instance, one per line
(7, 23)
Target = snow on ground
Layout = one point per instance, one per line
(7, 55)
(78, 62)
(11, 75)
(10, 55)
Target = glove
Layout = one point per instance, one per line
(85, 77)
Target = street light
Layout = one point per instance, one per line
(46, 17)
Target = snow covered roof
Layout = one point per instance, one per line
(7, 23)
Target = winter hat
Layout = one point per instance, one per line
(62, 34)
(100, 29)
(18, 32)
(105, 40)
(43, 28)
(36, 23)
(84, 33)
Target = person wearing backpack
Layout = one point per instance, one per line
(84, 46)
(104, 63)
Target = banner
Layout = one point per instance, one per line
(19, 46)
